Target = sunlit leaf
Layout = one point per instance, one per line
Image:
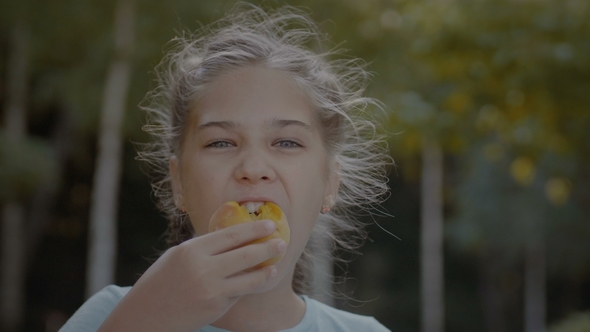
(522, 170)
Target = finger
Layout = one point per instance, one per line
(246, 283)
(249, 256)
(235, 236)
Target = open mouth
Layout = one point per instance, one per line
(253, 207)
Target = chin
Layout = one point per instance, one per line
(267, 287)
(281, 277)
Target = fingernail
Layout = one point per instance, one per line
(273, 272)
(270, 225)
(282, 246)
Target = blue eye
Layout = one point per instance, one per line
(218, 144)
(288, 144)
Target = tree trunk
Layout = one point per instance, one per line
(101, 260)
(432, 237)
(534, 287)
(12, 273)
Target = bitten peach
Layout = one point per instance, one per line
(231, 213)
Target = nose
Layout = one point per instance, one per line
(253, 168)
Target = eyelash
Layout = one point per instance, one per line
(292, 142)
(216, 144)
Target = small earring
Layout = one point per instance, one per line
(328, 203)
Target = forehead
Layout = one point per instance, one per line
(253, 94)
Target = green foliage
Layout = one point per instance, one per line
(502, 84)
(25, 166)
(577, 322)
(495, 65)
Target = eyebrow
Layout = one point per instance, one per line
(281, 123)
(275, 123)
(227, 125)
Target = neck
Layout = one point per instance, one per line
(277, 309)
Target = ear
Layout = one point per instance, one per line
(176, 184)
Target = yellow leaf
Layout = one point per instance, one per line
(458, 102)
(557, 190)
(412, 141)
(523, 171)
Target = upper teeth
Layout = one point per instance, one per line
(252, 206)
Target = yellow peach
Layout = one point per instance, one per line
(231, 213)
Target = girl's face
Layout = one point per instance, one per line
(253, 137)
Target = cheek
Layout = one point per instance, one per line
(307, 189)
(309, 184)
(202, 187)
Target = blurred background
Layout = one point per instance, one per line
(487, 112)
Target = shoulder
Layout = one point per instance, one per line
(326, 318)
(95, 310)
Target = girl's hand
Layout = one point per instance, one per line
(196, 282)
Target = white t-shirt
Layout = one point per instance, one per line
(318, 316)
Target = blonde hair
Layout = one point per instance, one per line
(276, 39)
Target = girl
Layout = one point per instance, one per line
(244, 112)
